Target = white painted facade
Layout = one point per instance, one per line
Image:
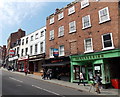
(38, 37)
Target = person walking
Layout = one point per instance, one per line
(97, 83)
(48, 74)
(44, 74)
(81, 79)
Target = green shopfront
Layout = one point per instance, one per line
(105, 63)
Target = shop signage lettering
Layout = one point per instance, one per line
(54, 61)
(89, 57)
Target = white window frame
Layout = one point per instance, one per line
(51, 52)
(52, 20)
(26, 51)
(31, 38)
(36, 49)
(71, 10)
(71, 25)
(107, 48)
(60, 16)
(83, 22)
(88, 51)
(36, 36)
(61, 31)
(41, 33)
(51, 35)
(84, 3)
(27, 40)
(41, 47)
(108, 16)
(22, 41)
(31, 49)
(61, 50)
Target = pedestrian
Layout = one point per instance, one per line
(97, 83)
(81, 78)
(48, 74)
(44, 74)
(26, 71)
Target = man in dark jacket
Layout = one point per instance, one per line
(98, 83)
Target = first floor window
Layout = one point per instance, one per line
(86, 21)
(72, 27)
(51, 34)
(107, 40)
(71, 10)
(51, 52)
(61, 31)
(26, 51)
(41, 47)
(31, 48)
(22, 52)
(36, 47)
(61, 50)
(88, 45)
(84, 3)
(104, 15)
(52, 20)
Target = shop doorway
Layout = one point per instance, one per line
(90, 73)
(97, 69)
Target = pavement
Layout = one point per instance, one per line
(80, 87)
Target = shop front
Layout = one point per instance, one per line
(95, 63)
(35, 63)
(60, 67)
(23, 63)
(13, 62)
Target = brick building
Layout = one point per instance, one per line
(12, 41)
(2, 54)
(88, 33)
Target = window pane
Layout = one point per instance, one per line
(108, 44)
(107, 37)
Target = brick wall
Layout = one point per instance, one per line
(13, 38)
(76, 40)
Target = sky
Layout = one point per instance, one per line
(29, 15)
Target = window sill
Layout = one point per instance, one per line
(72, 31)
(89, 51)
(86, 27)
(101, 22)
(60, 19)
(51, 23)
(71, 13)
(108, 48)
(51, 56)
(82, 7)
(61, 55)
(51, 39)
(60, 36)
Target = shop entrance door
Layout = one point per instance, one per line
(97, 69)
(90, 73)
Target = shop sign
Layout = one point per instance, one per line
(89, 57)
(97, 67)
(54, 61)
(12, 52)
(23, 58)
(55, 52)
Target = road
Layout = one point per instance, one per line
(15, 85)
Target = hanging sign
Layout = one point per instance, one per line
(12, 52)
(55, 52)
